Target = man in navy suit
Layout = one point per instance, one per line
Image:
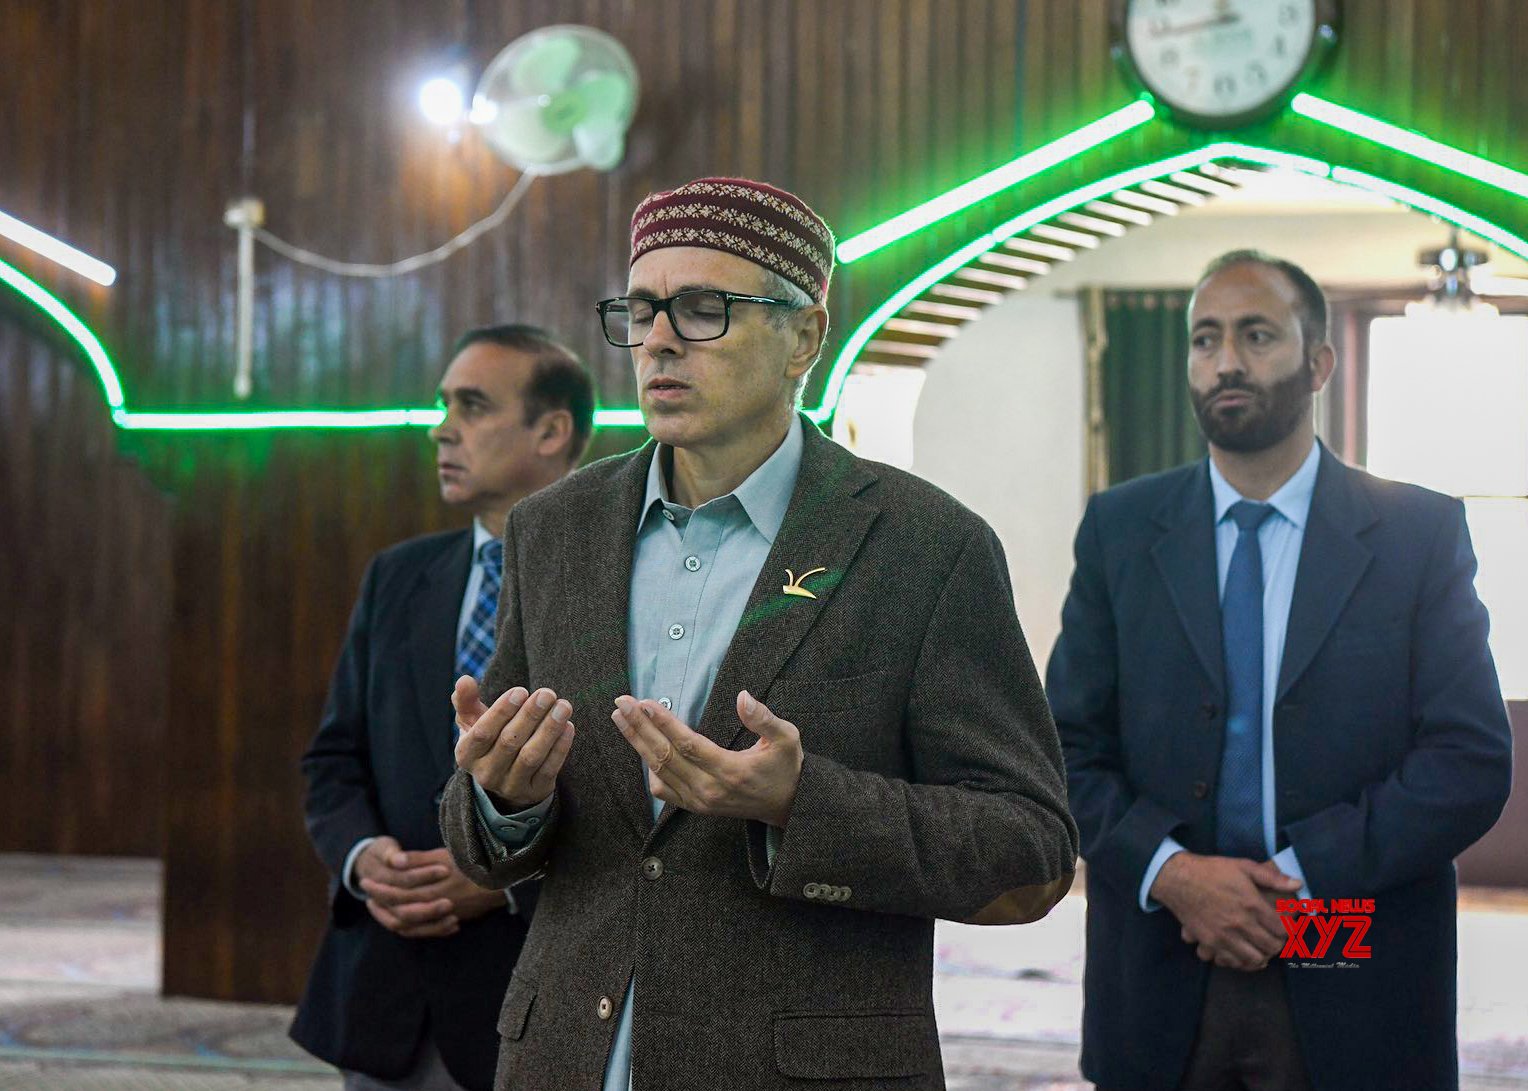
(406, 987)
(1272, 682)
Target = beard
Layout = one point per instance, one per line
(1275, 412)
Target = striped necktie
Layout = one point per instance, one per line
(474, 648)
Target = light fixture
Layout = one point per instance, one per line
(442, 100)
(1450, 291)
(1411, 143)
(54, 308)
(996, 180)
(56, 250)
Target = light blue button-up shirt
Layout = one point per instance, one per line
(1279, 538)
(692, 571)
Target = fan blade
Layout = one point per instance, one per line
(601, 144)
(606, 96)
(545, 67)
(519, 134)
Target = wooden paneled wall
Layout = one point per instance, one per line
(84, 614)
(128, 129)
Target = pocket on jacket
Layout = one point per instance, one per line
(826, 694)
(516, 1009)
(855, 1045)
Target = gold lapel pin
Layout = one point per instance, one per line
(795, 588)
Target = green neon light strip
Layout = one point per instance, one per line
(1026, 166)
(996, 180)
(57, 250)
(54, 308)
(256, 420)
(1411, 143)
(974, 249)
(1442, 209)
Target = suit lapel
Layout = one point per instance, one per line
(823, 528)
(1185, 557)
(434, 607)
(597, 540)
(1332, 561)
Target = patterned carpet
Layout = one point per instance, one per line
(79, 1010)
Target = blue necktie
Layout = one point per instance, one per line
(474, 648)
(1239, 798)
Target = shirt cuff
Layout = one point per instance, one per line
(1165, 851)
(1287, 862)
(347, 870)
(516, 829)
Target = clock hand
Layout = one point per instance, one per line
(1228, 19)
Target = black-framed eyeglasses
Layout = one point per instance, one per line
(702, 314)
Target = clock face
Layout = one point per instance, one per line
(1215, 61)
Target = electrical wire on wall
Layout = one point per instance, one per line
(405, 265)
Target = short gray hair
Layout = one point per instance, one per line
(778, 287)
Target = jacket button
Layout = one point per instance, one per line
(605, 1007)
(1201, 789)
(811, 890)
(652, 867)
(1208, 710)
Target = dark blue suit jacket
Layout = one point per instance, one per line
(382, 753)
(1392, 753)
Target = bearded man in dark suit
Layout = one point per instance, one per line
(1272, 684)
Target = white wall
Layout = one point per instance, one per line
(1000, 427)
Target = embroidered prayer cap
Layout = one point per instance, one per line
(753, 220)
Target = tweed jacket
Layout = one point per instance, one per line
(932, 786)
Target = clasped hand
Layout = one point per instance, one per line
(1226, 906)
(422, 894)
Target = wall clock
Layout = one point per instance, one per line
(1219, 64)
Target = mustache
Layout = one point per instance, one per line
(1232, 383)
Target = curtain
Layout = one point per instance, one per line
(1140, 417)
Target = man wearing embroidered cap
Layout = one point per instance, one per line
(808, 722)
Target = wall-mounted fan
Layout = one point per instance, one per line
(558, 99)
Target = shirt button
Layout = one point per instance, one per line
(652, 867)
(676, 632)
(665, 702)
(668, 515)
(605, 1007)
(692, 563)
